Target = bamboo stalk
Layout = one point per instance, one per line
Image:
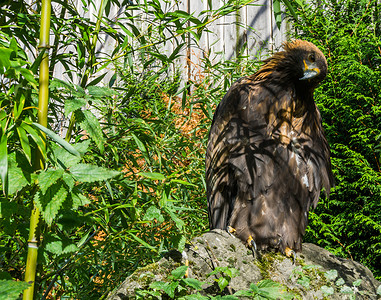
(43, 101)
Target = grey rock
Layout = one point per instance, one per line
(316, 273)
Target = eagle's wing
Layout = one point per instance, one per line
(264, 164)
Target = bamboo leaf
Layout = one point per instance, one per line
(24, 143)
(277, 13)
(91, 173)
(36, 137)
(4, 162)
(55, 137)
(11, 289)
(142, 242)
(90, 124)
(152, 175)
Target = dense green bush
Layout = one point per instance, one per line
(348, 32)
(153, 134)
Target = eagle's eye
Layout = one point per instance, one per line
(311, 57)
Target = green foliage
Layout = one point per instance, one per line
(226, 276)
(178, 287)
(10, 289)
(348, 223)
(129, 186)
(267, 289)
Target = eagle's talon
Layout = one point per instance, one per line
(231, 230)
(253, 246)
(290, 253)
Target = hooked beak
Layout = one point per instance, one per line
(310, 71)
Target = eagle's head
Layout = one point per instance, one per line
(301, 62)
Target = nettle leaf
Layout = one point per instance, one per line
(50, 202)
(327, 290)
(153, 213)
(90, 124)
(331, 274)
(194, 283)
(18, 177)
(68, 179)
(58, 247)
(222, 283)
(79, 200)
(65, 159)
(179, 272)
(48, 177)
(74, 104)
(91, 173)
(171, 288)
(11, 289)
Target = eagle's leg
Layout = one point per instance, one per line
(290, 253)
(253, 246)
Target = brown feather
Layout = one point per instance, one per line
(267, 157)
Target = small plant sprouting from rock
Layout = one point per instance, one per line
(226, 276)
(266, 289)
(176, 285)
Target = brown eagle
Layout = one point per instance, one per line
(267, 157)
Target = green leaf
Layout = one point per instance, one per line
(222, 283)
(25, 143)
(91, 173)
(18, 178)
(59, 140)
(50, 202)
(90, 124)
(194, 283)
(357, 282)
(277, 13)
(4, 162)
(179, 223)
(171, 288)
(179, 272)
(59, 247)
(158, 285)
(327, 290)
(183, 182)
(96, 80)
(152, 175)
(331, 274)
(79, 200)
(142, 242)
(49, 177)
(37, 138)
(10, 289)
(73, 104)
(340, 281)
(153, 213)
(29, 76)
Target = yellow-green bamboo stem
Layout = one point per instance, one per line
(90, 63)
(43, 103)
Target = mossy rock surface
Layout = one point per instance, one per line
(316, 273)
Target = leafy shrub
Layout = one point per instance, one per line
(348, 32)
